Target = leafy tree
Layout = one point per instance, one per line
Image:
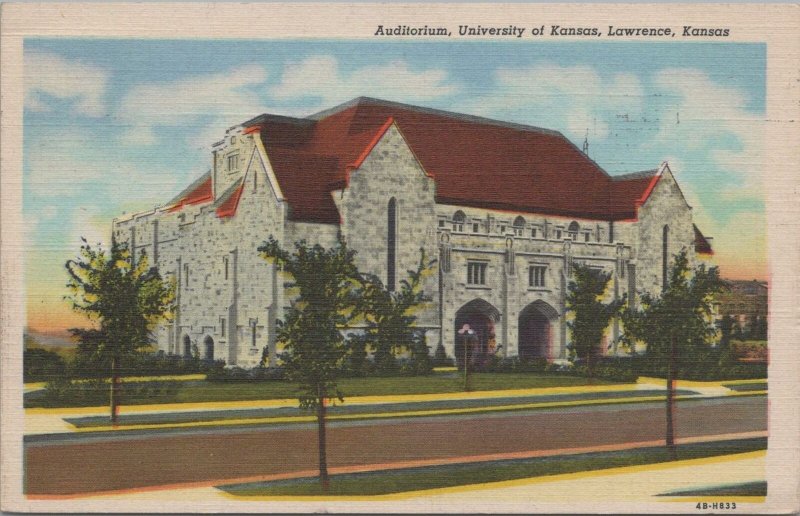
(124, 299)
(591, 315)
(314, 348)
(390, 318)
(676, 325)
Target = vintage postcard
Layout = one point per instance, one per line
(416, 258)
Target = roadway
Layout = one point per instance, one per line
(91, 463)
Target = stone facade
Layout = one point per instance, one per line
(502, 272)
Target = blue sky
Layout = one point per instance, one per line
(114, 126)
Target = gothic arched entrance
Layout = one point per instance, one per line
(480, 317)
(536, 331)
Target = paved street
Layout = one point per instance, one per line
(91, 463)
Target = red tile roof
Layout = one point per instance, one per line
(474, 161)
(701, 243)
(200, 191)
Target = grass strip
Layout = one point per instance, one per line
(743, 489)
(452, 475)
(282, 412)
(747, 387)
(205, 391)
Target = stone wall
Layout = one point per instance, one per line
(389, 172)
(666, 206)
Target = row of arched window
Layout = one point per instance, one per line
(573, 230)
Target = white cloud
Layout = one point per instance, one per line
(68, 164)
(226, 98)
(572, 99)
(64, 79)
(712, 117)
(322, 77)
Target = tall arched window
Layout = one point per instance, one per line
(519, 226)
(664, 258)
(458, 221)
(391, 243)
(573, 229)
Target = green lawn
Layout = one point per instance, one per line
(434, 477)
(436, 383)
(744, 489)
(197, 391)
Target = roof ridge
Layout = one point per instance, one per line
(260, 119)
(432, 111)
(635, 175)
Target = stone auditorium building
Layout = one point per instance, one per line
(507, 209)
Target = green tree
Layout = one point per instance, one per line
(124, 299)
(391, 316)
(726, 330)
(591, 316)
(676, 326)
(327, 283)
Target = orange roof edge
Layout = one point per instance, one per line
(371, 145)
(649, 190)
(228, 208)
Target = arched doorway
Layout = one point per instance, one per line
(187, 346)
(535, 331)
(209, 349)
(480, 316)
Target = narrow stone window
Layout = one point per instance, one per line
(536, 275)
(186, 275)
(664, 258)
(476, 273)
(476, 228)
(391, 243)
(533, 232)
(233, 162)
(225, 266)
(222, 327)
(558, 234)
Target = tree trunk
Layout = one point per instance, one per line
(114, 390)
(670, 438)
(590, 365)
(323, 460)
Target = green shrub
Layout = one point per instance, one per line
(42, 365)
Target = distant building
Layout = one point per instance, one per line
(745, 303)
(507, 209)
